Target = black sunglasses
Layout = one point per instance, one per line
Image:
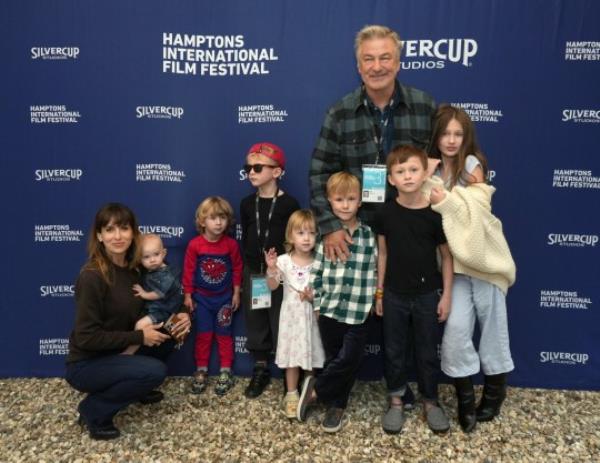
(257, 167)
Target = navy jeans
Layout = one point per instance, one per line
(402, 315)
(344, 347)
(115, 381)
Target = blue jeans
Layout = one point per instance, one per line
(475, 299)
(402, 315)
(115, 381)
(344, 347)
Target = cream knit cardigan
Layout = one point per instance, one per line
(474, 234)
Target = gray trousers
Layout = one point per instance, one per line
(476, 299)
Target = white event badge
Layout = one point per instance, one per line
(374, 178)
(261, 294)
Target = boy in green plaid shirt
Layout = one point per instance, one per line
(343, 297)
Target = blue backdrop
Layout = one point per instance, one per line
(155, 104)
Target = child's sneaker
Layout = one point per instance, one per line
(333, 419)
(200, 382)
(224, 383)
(289, 404)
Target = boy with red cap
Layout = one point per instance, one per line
(264, 216)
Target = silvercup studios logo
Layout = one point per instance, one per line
(164, 231)
(572, 240)
(54, 53)
(57, 290)
(435, 54)
(372, 349)
(581, 116)
(159, 112)
(565, 358)
(58, 175)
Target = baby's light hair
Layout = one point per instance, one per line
(342, 183)
(213, 205)
(302, 218)
(149, 237)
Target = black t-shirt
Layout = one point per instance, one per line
(412, 237)
(252, 250)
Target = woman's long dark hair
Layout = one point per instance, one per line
(98, 259)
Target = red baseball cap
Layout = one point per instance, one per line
(269, 150)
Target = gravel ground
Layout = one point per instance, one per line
(38, 423)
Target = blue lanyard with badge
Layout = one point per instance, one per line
(375, 175)
(261, 294)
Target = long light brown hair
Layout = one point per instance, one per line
(444, 114)
(98, 259)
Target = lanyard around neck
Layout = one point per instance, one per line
(377, 129)
(262, 245)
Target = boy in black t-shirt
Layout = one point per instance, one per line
(264, 216)
(409, 234)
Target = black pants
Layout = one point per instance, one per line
(344, 347)
(403, 314)
(262, 325)
(115, 381)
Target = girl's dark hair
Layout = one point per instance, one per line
(444, 114)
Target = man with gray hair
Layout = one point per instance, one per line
(356, 136)
(363, 127)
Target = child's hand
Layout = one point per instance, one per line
(306, 294)
(188, 303)
(271, 258)
(437, 195)
(443, 309)
(235, 301)
(138, 290)
(379, 307)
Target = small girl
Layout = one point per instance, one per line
(483, 267)
(212, 275)
(299, 343)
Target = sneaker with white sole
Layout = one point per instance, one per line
(333, 420)
(306, 398)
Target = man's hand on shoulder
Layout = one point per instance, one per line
(336, 244)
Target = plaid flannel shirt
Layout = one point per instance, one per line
(346, 142)
(345, 291)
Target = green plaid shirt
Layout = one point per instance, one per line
(345, 291)
(346, 142)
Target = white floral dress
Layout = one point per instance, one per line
(299, 343)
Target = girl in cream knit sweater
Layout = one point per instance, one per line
(483, 266)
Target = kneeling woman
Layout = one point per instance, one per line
(106, 313)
